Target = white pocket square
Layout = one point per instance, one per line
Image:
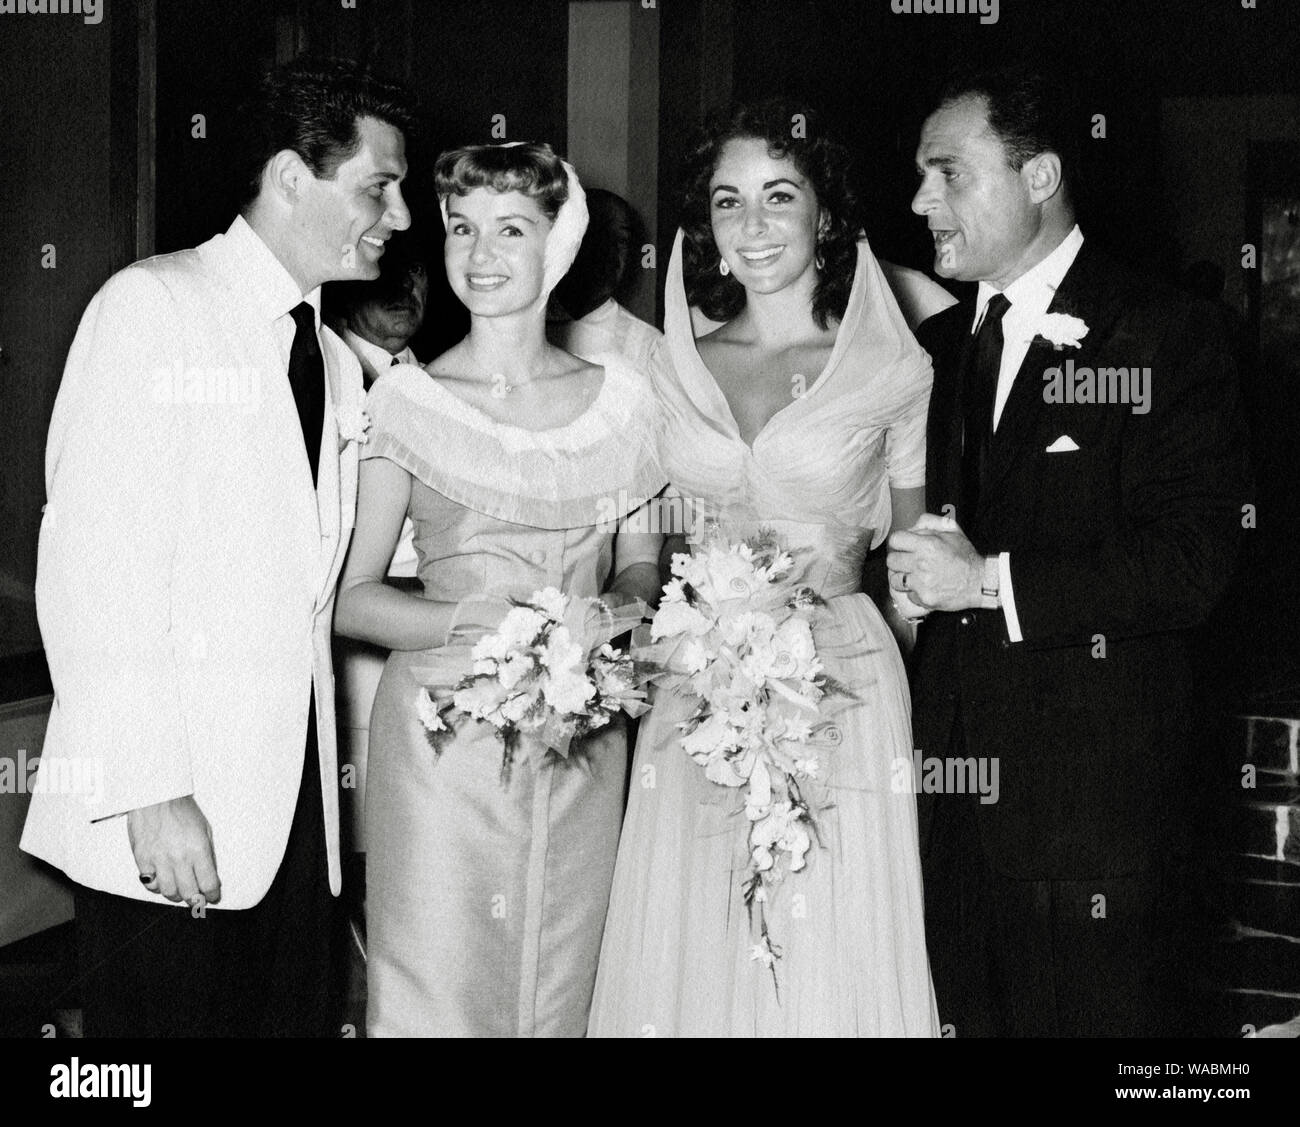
(1062, 445)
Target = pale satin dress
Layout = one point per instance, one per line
(485, 902)
(676, 958)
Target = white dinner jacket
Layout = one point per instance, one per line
(187, 568)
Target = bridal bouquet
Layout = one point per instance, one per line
(735, 625)
(548, 672)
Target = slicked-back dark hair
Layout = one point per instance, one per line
(312, 106)
(1031, 111)
(821, 159)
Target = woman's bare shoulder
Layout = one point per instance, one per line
(918, 295)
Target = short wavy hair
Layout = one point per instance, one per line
(531, 168)
(820, 158)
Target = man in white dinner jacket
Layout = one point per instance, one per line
(201, 482)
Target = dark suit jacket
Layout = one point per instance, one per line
(1126, 542)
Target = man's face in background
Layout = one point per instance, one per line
(389, 311)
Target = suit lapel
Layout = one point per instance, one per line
(1089, 291)
(328, 485)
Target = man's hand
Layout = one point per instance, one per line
(935, 566)
(173, 840)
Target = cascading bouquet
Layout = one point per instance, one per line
(737, 630)
(548, 671)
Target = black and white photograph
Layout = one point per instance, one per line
(651, 519)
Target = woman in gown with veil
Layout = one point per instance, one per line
(804, 413)
(515, 461)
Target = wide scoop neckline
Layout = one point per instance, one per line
(479, 419)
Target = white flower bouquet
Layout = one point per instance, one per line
(547, 672)
(737, 630)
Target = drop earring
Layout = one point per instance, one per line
(723, 268)
(819, 262)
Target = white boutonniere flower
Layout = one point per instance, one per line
(1060, 330)
(353, 422)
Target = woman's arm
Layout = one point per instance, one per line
(367, 607)
(636, 555)
(906, 507)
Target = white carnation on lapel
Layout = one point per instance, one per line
(353, 422)
(1061, 330)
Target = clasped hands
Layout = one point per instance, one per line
(933, 566)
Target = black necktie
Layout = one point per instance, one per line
(395, 362)
(978, 395)
(307, 378)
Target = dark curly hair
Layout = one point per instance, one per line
(821, 159)
(531, 168)
(312, 106)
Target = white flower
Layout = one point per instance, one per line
(568, 692)
(480, 700)
(796, 727)
(552, 603)
(752, 627)
(759, 796)
(514, 669)
(487, 652)
(678, 618)
(695, 656)
(561, 653)
(719, 769)
(781, 563)
(711, 736)
(762, 953)
(794, 640)
(352, 421)
(674, 589)
(730, 575)
(796, 842)
(513, 708)
(1061, 330)
(520, 627)
(808, 767)
(613, 675)
(427, 709)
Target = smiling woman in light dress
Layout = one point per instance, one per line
(804, 412)
(485, 901)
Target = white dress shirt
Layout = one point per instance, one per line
(375, 361)
(1030, 296)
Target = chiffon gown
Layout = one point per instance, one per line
(485, 902)
(676, 956)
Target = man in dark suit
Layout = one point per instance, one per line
(1085, 484)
